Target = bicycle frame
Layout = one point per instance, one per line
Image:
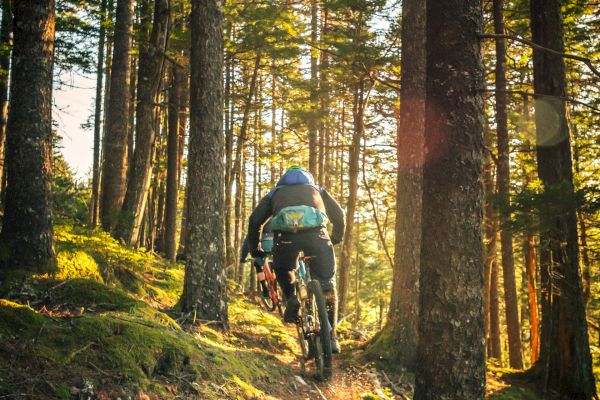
(270, 278)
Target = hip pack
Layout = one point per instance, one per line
(298, 218)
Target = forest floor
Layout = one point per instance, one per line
(101, 328)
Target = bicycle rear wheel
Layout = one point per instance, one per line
(322, 331)
(279, 293)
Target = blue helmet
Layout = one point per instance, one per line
(295, 175)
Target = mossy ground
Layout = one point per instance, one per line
(103, 324)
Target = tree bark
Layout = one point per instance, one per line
(27, 236)
(133, 75)
(494, 349)
(114, 169)
(565, 359)
(357, 279)
(401, 326)
(150, 74)
(107, 79)
(175, 94)
(495, 341)
(6, 29)
(531, 268)
(95, 201)
(503, 181)
(451, 350)
(313, 122)
(360, 100)
(229, 111)
(204, 290)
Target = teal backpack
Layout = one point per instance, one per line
(298, 218)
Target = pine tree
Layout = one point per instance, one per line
(204, 290)
(27, 235)
(114, 169)
(565, 361)
(152, 49)
(451, 349)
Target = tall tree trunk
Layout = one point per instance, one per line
(325, 168)
(95, 201)
(357, 279)
(565, 358)
(361, 94)
(451, 349)
(313, 122)
(495, 341)
(6, 29)
(503, 181)
(530, 268)
(587, 273)
(583, 238)
(27, 236)
(183, 123)
(114, 169)
(238, 167)
(107, 79)
(133, 75)
(204, 290)
(176, 89)
(401, 326)
(149, 78)
(273, 178)
(494, 349)
(229, 111)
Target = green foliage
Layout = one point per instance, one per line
(76, 34)
(69, 198)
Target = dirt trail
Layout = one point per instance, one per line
(352, 379)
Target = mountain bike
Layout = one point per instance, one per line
(273, 302)
(312, 325)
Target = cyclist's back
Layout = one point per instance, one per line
(300, 211)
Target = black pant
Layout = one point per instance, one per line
(315, 244)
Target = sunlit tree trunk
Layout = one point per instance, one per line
(229, 112)
(150, 74)
(238, 167)
(345, 259)
(114, 169)
(27, 236)
(494, 349)
(95, 200)
(204, 290)
(451, 349)
(176, 89)
(503, 182)
(6, 28)
(565, 361)
(313, 122)
(401, 327)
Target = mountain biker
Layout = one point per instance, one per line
(299, 210)
(266, 243)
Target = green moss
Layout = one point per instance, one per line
(100, 319)
(76, 264)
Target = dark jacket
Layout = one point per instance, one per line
(295, 195)
(266, 229)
